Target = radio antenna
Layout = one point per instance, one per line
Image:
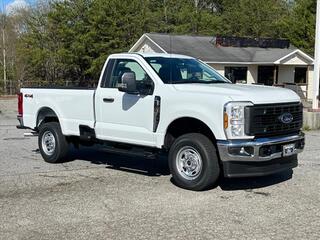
(170, 36)
(170, 59)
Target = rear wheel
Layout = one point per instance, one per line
(52, 143)
(193, 162)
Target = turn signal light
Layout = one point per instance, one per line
(225, 120)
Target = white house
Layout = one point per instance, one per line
(284, 67)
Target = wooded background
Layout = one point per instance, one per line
(67, 42)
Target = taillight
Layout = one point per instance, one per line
(20, 104)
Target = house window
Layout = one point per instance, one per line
(236, 74)
(300, 75)
(267, 75)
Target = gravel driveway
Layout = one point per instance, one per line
(103, 196)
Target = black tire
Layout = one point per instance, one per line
(59, 151)
(198, 145)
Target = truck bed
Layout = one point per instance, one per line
(73, 106)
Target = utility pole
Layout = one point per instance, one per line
(3, 16)
(315, 96)
(196, 4)
(4, 56)
(165, 13)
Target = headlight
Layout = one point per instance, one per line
(234, 120)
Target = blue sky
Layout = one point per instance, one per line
(9, 4)
(5, 2)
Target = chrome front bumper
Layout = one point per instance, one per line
(256, 144)
(260, 156)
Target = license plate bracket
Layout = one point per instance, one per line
(288, 149)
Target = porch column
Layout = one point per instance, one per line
(307, 81)
(275, 75)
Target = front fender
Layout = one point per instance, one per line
(213, 119)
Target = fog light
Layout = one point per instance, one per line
(266, 151)
(241, 151)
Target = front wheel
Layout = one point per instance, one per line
(52, 143)
(193, 162)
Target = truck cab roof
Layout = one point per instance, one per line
(164, 55)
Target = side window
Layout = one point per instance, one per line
(122, 66)
(141, 75)
(107, 73)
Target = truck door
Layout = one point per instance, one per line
(124, 117)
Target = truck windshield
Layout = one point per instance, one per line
(184, 70)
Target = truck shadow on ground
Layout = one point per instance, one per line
(159, 167)
(137, 165)
(231, 184)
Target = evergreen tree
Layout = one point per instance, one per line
(301, 25)
(259, 18)
(67, 42)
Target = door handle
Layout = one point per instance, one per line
(108, 100)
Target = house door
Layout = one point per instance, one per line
(267, 75)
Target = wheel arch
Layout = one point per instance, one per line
(46, 114)
(184, 125)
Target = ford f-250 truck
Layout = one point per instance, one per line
(147, 103)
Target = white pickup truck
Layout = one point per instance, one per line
(147, 103)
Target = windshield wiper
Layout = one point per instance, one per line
(219, 81)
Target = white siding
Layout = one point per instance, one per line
(146, 46)
(294, 60)
(252, 74)
(286, 74)
(146, 49)
(310, 82)
(219, 68)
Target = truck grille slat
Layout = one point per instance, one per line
(264, 120)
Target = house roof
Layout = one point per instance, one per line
(203, 48)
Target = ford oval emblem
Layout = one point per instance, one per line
(286, 118)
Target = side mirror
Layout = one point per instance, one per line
(128, 83)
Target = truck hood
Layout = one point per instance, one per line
(242, 92)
